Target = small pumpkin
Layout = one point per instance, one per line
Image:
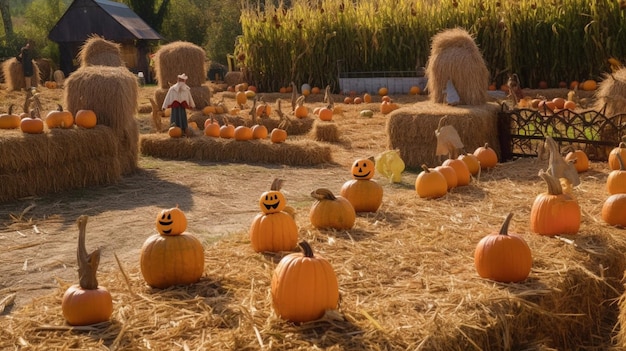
(9, 120)
(621, 150)
(242, 133)
(259, 131)
(241, 98)
(296, 296)
(554, 212)
(463, 174)
(175, 132)
(431, 184)
(363, 168)
(504, 257)
(486, 156)
(614, 210)
(580, 160)
(227, 131)
(86, 302)
(301, 111)
(212, 128)
(273, 229)
(50, 84)
(171, 221)
(364, 193)
(472, 162)
(616, 180)
(32, 124)
(330, 211)
(388, 106)
(450, 174)
(59, 118)
(278, 135)
(325, 114)
(86, 118)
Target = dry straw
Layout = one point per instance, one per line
(292, 152)
(112, 93)
(406, 279)
(97, 51)
(14, 75)
(455, 57)
(57, 160)
(610, 97)
(325, 131)
(180, 57)
(412, 129)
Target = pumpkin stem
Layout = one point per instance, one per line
(554, 186)
(620, 161)
(87, 263)
(323, 194)
(277, 184)
(487, 146)
(425, 168)
(504, 230)
(306, 249)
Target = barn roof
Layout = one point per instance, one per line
(112, 20)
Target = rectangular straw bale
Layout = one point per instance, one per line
(292, 152)
(412, 129)
(325, 131)
(180, 57)
(14, 74)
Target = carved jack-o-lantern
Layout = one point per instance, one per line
(171, 222)
(273, 201)
(363, 168)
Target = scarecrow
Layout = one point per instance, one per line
(179, 99)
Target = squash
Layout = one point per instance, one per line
(472, 162)
(580, 160)
(614, 210)
(486, 156)
(86, 119)
(330, 211)
(304, 286)
(32, 124)
(59, 118)
(463, 174)
(621, 150)
(616, 180)
(504, 257)
(86, 302)
(242, 133)
(273, 229)
(9, 120)
(554, 212)
(430, 184)
(278, 135)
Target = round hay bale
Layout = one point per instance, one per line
(112, 93)
(180, 57)
(611, 94)
(411, 130)
(14, 74)
(97, 51)
(325, 131)
(455, 56)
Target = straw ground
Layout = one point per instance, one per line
(405, 273)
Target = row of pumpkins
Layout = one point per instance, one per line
(31, 123)
(501, 256)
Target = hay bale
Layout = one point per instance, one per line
(411, 129)
(455, 56)
(611, 94)
(233, 78)
(112, 93)
(292, 152)
(46, 67)
(325, 131)
(57, 160)
(97, 51)
(180, 57)
(14, 74)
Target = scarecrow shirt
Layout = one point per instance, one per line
(179, 95)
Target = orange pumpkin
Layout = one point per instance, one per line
(242, 133)
(330, 211)
(85, 118)
(59, 118)
(9, 120)
(296, 296)
(227, 131)
(32, 124)
(171, 221)
(616, 180)
(580, 159)
(365, 195)
(325, 114)
(241, 98)
(503, 257)
(278, 135)
(614, 210)
(259, 131)
(211, 128)
(175, 132)
(86, 302)
(554, 212)
(621, 150)
(431, 184)
(273, 229)
(363, 168)
(450, 174)
(486, 156)
(472, 162)
(463, 174)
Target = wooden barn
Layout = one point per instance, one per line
(111, 20)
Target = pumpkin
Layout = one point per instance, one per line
(367, 98)
(241, 98)
(259, 131)
(430, 184)
(614, 210)
(171, 221)
(59, 118)
(616, 180)
(85, 118)
(473, 165)
(175, 132)
(32, 124)
(388, 106)
(86, 302)
(9, 120)
(580, 160)
(621, 150)
(242, 133)
(209, 110)
(278, 135)
(301, 111)
(211, 128)
(487, 156)
(304, 286)
(365, 195)
(325, 114)
(554, 212)
(363, 168)
(463, 174)
(330, 211)
(227, 131)
(450, 174)
(503, 257)
(273, 229)
(50, 84)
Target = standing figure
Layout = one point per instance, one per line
(27, 65)
(179, 99)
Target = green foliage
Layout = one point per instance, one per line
(40, 17)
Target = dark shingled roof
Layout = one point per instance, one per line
(111, 20)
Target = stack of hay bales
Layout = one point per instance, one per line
(182, 57)
(103, 84)
(14, 75)
(456, 58)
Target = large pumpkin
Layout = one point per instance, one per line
(364, 195)
(330, 211)
(87, 302)
(503, 256)
(304, 286)
(616, 181)
(614, 210)
(554, 212)
(273, 230)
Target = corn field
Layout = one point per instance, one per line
(540, 40)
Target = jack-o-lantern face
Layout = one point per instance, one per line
(272, 201)
(171, 222)
(363, 169)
